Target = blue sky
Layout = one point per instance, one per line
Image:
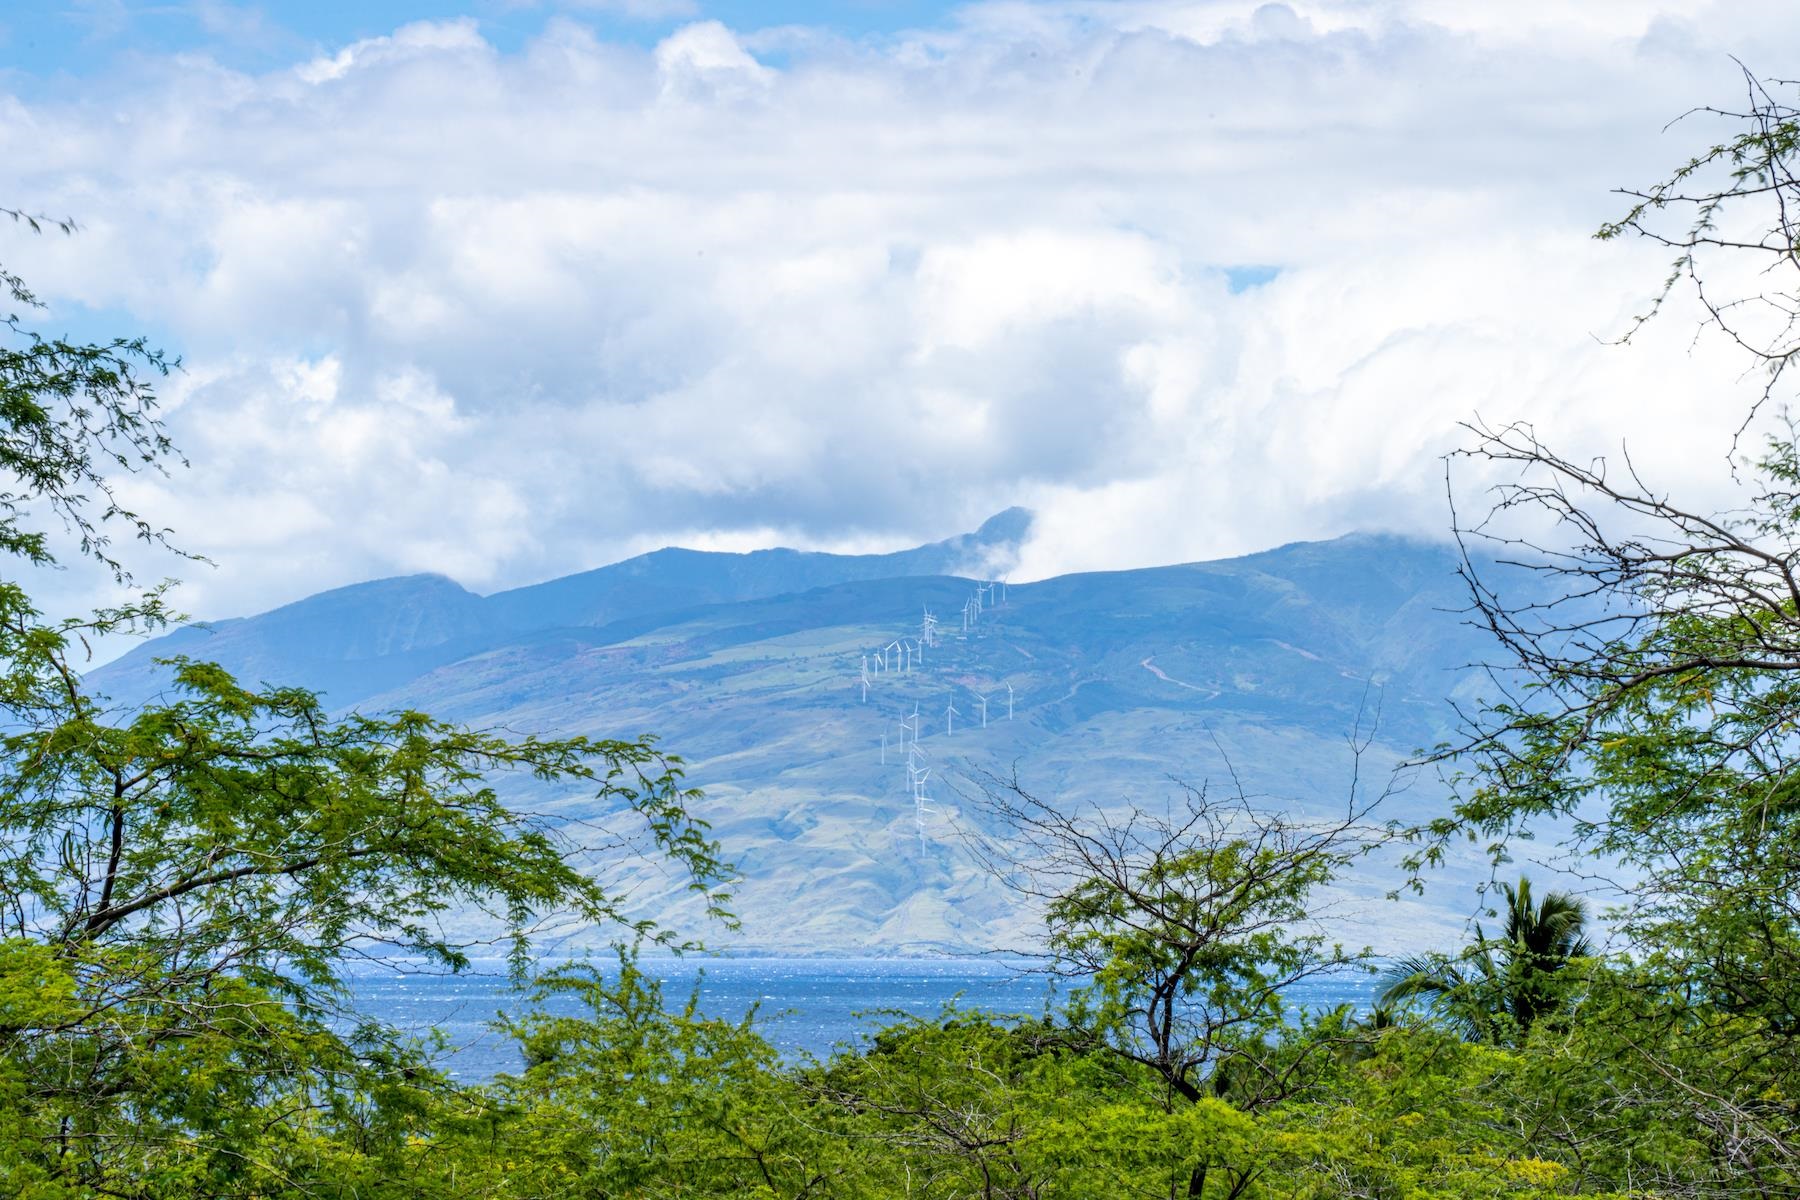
(1189, 277)
(49, 38)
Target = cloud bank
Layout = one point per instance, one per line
(507, 315)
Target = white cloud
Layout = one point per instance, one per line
(439, 40)
(705, 61)
(508, 315)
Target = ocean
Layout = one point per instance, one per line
(805, 1006)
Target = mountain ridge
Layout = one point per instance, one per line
(360, 637)
(1099, 688)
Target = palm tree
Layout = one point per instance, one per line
(1498, 988)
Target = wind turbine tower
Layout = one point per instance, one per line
(916, 777)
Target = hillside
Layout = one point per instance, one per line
(353, 642)
(1121, 684)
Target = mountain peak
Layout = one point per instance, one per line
(1012, 527)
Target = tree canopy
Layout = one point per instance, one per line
(183, 882)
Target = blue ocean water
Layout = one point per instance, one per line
(805, 1006)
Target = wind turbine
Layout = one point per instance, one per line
(916, 773)
(950, 715)
(982, 700)
(916, 778)
(1009, 695)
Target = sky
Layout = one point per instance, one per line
(509, 290)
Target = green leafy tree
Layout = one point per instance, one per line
(1420, 1112)
(623, 1097)
(1180, 933)
(1651, 674)
(960, 1105)
(181, 884)
(1499, 987)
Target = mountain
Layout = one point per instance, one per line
(674, 578)
(353, 642)
(1123, 687)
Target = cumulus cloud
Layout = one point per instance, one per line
(442, 41)
(511, 314)
(705, 61)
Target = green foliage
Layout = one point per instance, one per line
(1498, 988)
(1421, 1114)
(181, 885)
(1187, 956)
(1650, 714)
(1181, 931)
(628, 1099)
(1658, 730)
(70, 414)
(964, 1105)
(191, 879)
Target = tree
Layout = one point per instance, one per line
(1650, 672)
(623, 1097)
(1498, 988)
(1180, 933)
(962, 1105)
(70, 413)
(181, 884)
